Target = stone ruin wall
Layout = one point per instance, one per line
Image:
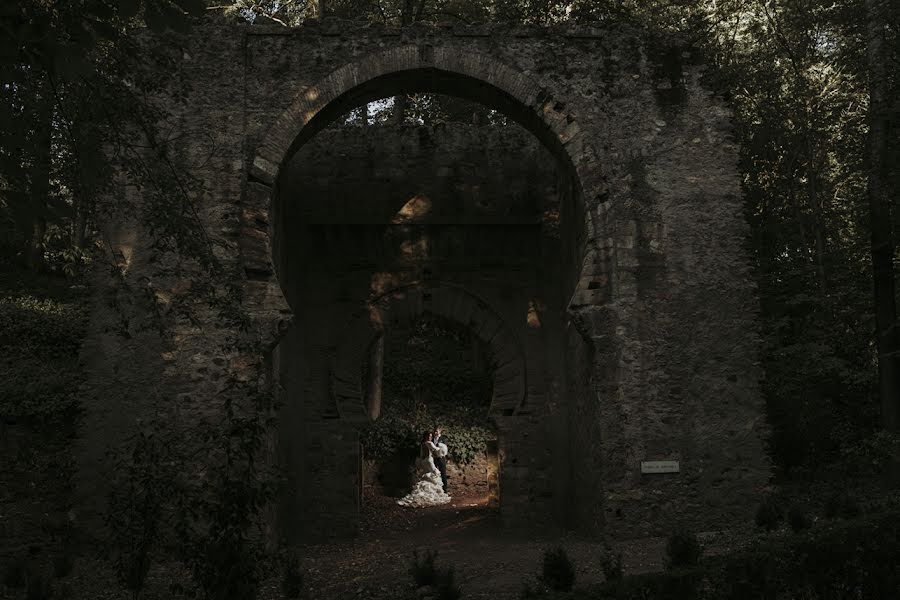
(660, 324)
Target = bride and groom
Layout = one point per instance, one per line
(431, 473)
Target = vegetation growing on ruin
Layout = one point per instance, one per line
(437, 374)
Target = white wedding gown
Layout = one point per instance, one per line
(428, 490)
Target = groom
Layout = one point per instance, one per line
(440, 458)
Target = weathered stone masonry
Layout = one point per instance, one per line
(649, 347)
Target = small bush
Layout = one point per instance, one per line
(798, 518)
(611, 563)
(39, 587)
(842, 505)
(14, 574)
(66, 591)
(682, 550)
(875, 455)
(558, 571)
(684, 584)
(292, 584)
(851, 559)
(179, 590)
(537, 592)
(769, 514)
(446, 586)
(423, 570)
(63, 564)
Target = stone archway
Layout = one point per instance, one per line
(430, 68)
(403, 306)
(534, 496)
(454, 71)
(400, 308)
(658, 350)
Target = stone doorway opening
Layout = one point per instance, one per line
(379, 225)
(433, 372)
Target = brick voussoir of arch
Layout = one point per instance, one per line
(274, 147)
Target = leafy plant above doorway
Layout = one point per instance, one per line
(436, 372)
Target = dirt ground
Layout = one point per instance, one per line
(489, 562)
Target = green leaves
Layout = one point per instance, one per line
(432, 377)
(39, 342)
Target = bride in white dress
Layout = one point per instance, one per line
(428, 491)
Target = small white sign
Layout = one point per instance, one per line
(659, 466)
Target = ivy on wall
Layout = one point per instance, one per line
(437, 373)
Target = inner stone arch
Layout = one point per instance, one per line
(403, 306)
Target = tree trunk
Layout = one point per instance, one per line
(406, 13)
(400, 104)
(39, 177)
(815, 204)
(364, 115)
(81, 227)
(880, 214)
(376, 371)
(36, 246)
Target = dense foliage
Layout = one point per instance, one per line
(74, 87)
(855, 559)
(433, 376)
(42, 324)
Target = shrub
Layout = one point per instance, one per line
(611, 563)
(682, 550)
(39, 390)
(798, 518)
(423, 571)
(446, 586)
(141, 485)
(842, 505)
(670, 585)
(769, 514)
(14, 574)
(538, 592)
(63, 564)
(40, 326)
(871, 456)
(39, 587)
(852, 559)
(292, 584)
(558, 572)
(438, 356)
(66, 591)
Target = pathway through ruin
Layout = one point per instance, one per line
(489, 562)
